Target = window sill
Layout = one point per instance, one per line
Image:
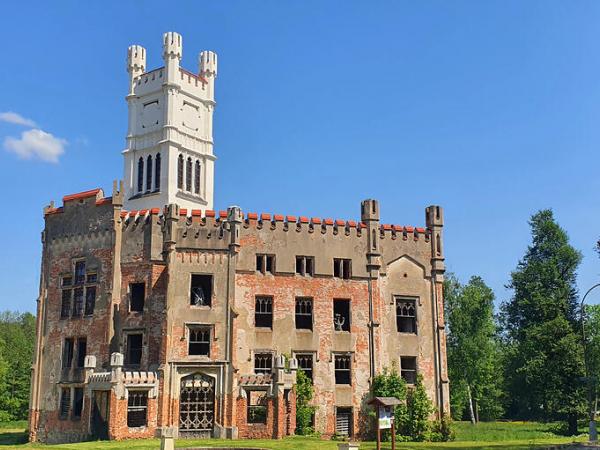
(341, 331)
(207, 307)
(407, 333)
(304, 330)
(263, 329)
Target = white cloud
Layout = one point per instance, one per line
(36, 144)
(17, 119)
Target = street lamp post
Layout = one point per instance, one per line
(592, 406)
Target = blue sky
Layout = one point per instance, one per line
(490, 109)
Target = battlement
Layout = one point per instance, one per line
(85, 196)
(172, 45)
(208, 64)
(136, 59)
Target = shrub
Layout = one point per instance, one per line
(304, 411)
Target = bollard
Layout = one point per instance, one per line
(167, 441)
(348, 446)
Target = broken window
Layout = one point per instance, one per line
(263, 312)
(199, 341)
(305, 265)
(137, 408)
(201, 290)
(138, 295)
(77, 402)
(341, 314)
(77, 302)
(408, 369)
(65, 402)
(343, 421)
(90, 300)
(65, 307)
(342, 268)
(67, 360)
(305, 363)
(342, 369)
(257, 407)
(406, 315)
(263, 363)
(81, 352)
(80, 272)
(265, 263)
(304, 313)
(134, 349)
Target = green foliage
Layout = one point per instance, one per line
(473, 349)
(441, 430)
(415, 425)
(389, 383)
(304, 410)
(17, 338)
(592, 335)
(544, 363)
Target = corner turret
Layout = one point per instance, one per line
(136, 64)
(208, 64)
(172, 53)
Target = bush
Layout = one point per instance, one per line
(441, 430)
(304, 411)
(415, 425)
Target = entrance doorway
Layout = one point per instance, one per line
(197, 405)
(100, 414)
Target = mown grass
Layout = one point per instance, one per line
(484, 436)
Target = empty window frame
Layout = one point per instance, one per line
(188, 175)
(408, 369)
(81, 352)
(263, 312)
(304, 313)
(342, 369)
(67, 355)
(137, 409)
(265, 263)
(137, 296)
(66, 281)
(77, 402)
(180, 172)
(78, 302)
(305, 363)
(257, 407)
(149, 173)
(199, 341)
(65, 306)
(157, 173)
(343, 421)
(133, 355)
(201, 290)
(263, 363)
(140, 180)
(342, 268)
(65, 402)
(90, 300)
(305, 265)
(341, 314)
(197, 177)
(80, 272)
(406, 315)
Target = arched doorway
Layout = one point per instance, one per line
(197, 405)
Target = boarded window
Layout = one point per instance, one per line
(199, 342)
(67, 356)
(406, 315)
(134, 349)
(80, 272)
(65, 402)
(304, 313)
(408, 369)
(343, 421)
(342, 369)
(65, 307)
(305, 265)
(263, 312)
(342, 268)
(265, 263)
(81, 351)
(90, 300)
(137, 408)
(138, 296)
(305, 363)
(341, 314)
(257, 407)
(77, 402)
(263, 363)
(201, 290)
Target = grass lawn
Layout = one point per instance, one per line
(493, 436)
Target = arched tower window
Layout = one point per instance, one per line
(149, 173)
(197, 178)
(140, 180)
(180, 172)
(157, 172)
(188, 175)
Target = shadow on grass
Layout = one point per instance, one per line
(13, 438)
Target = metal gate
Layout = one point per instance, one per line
(197, 405)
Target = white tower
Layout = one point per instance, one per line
(169, 155)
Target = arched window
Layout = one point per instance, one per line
(180, 172)
(197, 178)
(157, 172)
(149, 173)
(140, 185)
(188, 175)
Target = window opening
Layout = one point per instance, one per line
(304, 313)
(257, 407)
(149, 173)
(157, 172)
(80, 272)
(342, 268)
(341, 314)
(140, 181)
(65, 402)
(90, 300)
(343, 421)
(408, 369)
(137, 408)
(65, 307)
(81, 351)
(406, 315)
(265, 263)
(188, 175)
(263, 312)
(342, 369)
(77, 402)
(304, 265)
(201, 290)
(180, 172)
(67, 360)
(134, 349)
(305, 363)
(77, 302)
(199, 341)
(197, 178)
(138, 295)
(263, 363)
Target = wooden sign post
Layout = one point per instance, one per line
(384, 407)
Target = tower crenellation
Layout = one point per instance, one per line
(208, 64)
(172, 45)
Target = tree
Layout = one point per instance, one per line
(304, 411)
(473, 350)
(544, 355)
(416, 424)
(592, 335)
(389, 383)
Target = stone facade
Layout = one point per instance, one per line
(167, 320)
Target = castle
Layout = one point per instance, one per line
(159, 316)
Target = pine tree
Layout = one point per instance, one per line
(544, 352)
